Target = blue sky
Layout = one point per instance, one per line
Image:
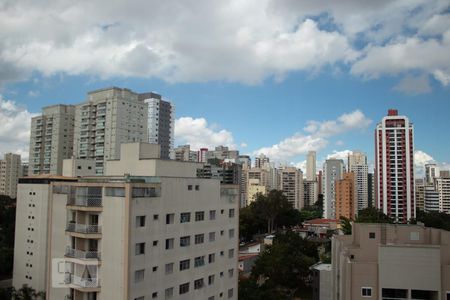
(253, 75)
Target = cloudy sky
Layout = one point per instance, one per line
(279, 77)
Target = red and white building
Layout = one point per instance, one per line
(394, 163)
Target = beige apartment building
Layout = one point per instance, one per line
(291, 183)
(147, 229)
(51, 139)
(391, 261)
(10, 171)
(108, 118)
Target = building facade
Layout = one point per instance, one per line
(311, 166)
(310, 189)
(51, 139)
(443, 189)
(391, 261)
(10, 171)
(109, 118)
(291, 184)
(394, 161)
(357, 163)
(161, 122)
(346, 196)
(333, 169)
(147, 229)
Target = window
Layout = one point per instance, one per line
(211, 258)
(169, 243)
(221, 253)
(170, 218)
(230, 272)
(197, 187)
(230, 293)
(114, 192)
(155, 268)
(155, 217)
(139, 275)
(140, 298)
(210, 279)
(199, 238)
(155, 295)
(199, 261)
(155, 243)
(190, 187)
(212, 214)
(185, 241)
(222, 232)
(184, 288)
(212, 236)
(231, 213)
(140, 248)
(231, 233)
(211, 298)
(366, 292)
(221, 211)
(198, 284)
(185, 264)
(144, 192)
(371, 235)
(185, 217)
(221, 274)
(199, 216)
(169, 293)
(230, 253)
(169, 268)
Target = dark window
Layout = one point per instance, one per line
(371, 235)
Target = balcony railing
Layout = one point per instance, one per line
(81, 282)
(90, 201)
(83, 228)
(75, 253)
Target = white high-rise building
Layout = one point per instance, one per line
(333, 169)
(51, 139)
(260, 160)
(161, 123)
(311, 166)
(109, 118)
(431, 172)
(357, 163)
(148, 229)
(394, 163)
(10, 171)
(443, 189)
(291, 183)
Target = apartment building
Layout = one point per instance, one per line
(311, 166)
(391, 261)
(443, 189)
(108, 118)
(333, 169)
(10, 171)
(51, 139)
(147, 229)
(419, 187)
(161, 122)
(346, 196)
(357, 163)
(184, 153)
(221, 153)
(394, 161)
(291, 184)
(310, 189)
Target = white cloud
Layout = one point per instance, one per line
(315, 136)
(343, 154)
(186, 41)
(198, 134)
(414, 85)
(15, 129)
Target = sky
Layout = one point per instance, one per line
(279, 77)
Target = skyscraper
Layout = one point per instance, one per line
(51, 139)
(107, 119)
(346, 196)
(261, 160)
(394, 161)
(10, 171)
(291, 183)
(333, 169)
(431, 172)
(357, 163)
(161, 123)
(311, 166)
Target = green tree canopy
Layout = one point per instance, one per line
(372, 215)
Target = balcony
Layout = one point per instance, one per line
(75, 253)
(83, 228)
(81, 282)
(83, 200)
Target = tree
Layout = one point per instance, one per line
(372, 215)
(438, 220)
(7, 227)
(284, 266)
(346, 225)
(24, 293)
(270, 207)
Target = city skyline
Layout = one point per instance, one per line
(259, 89)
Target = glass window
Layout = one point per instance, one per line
(185, 264)
(139, 275)
(185, 241)
(115, 192)
(144, 192)
(140, 221)
(231, 233)
(371, 235)
(199, 238)
(169, 243)
(210, 279)
(230, 293)
(230, 253)
(185, 217)
(140, 248)
(169, 293)
(211, 258)
(169, 268)
(231, 213)
(198, 284)
(199, 261)
(184, 288)
(199, 216)
(212, 214)
(366, 292)
(212, 236)
(170, 218)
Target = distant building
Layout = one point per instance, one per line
(221, 153)
(394, 161)
(311, 166)
(291, 184)
(10, 171)
(443, 189)
(51, 139)
(391, 261)
(333, 169)
(322, 281)
(184, 153)
(370, 190)
(257, 183)
(431, 172)
(420, 194)
(346, 196)
(310, 189)
(261, 160)
(24, 171)
(357, 163)
(431, 198)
